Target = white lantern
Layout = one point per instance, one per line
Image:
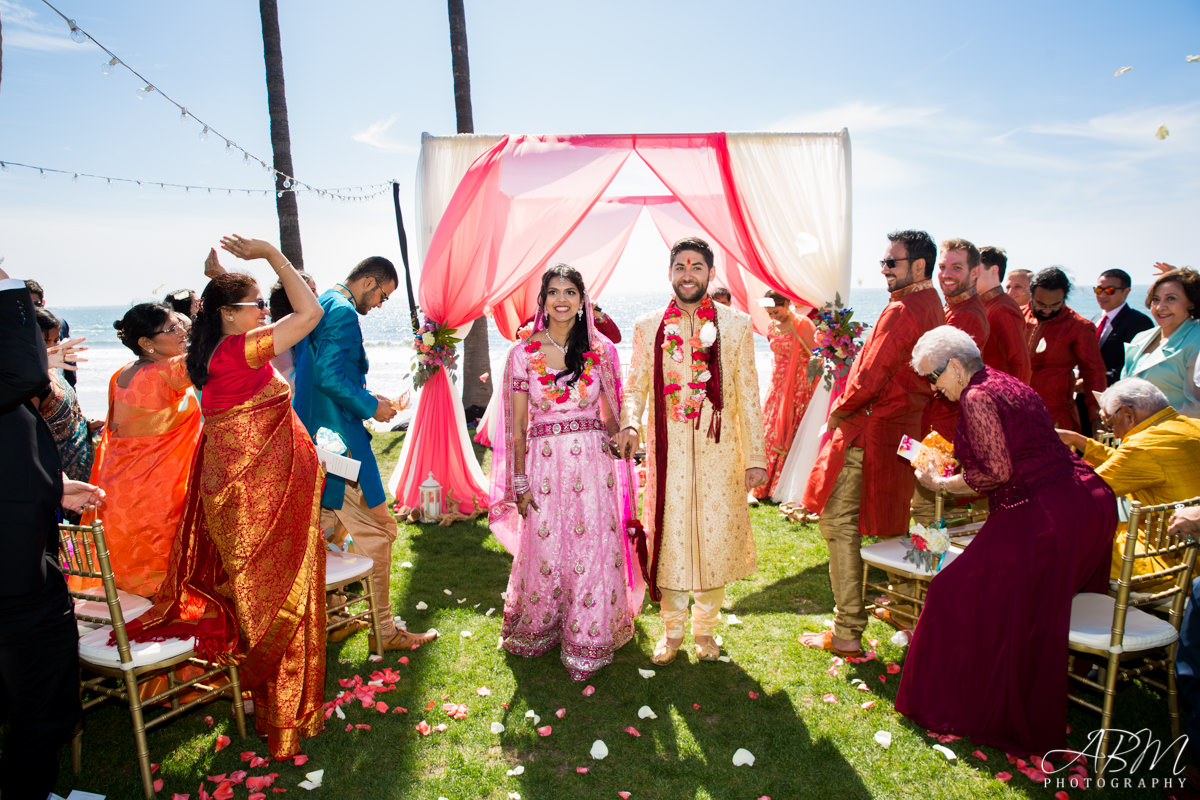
(431, 498)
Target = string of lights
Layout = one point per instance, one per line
(365, 192)
(288, 182)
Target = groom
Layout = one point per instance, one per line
(331, 377)
(695, 362)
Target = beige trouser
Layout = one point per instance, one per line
(839, 527)
(924, 505)
(706, 611)
(373, 531)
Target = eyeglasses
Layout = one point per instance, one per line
(172, 330)
(1108, 419)
(890, 263)
(934, 376)
(262, 304)
(1108, 290)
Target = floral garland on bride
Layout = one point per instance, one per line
(681, 409)
(550, 388)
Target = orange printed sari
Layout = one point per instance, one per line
(247, 572)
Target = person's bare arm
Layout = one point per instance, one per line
(306, 311)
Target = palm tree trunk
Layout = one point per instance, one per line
(476, 362)
(281, 140)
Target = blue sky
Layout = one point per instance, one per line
(1001, 123)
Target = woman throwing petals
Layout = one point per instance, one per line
(559, 497)
(247, 570)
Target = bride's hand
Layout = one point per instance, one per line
(524, 502)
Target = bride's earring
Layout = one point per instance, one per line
(579, 314)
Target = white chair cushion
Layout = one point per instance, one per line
(1092, 618)
(95, 649)
(889, 555)
(963, 530)
(132, 605)
(342, 568)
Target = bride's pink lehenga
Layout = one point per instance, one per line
(575, 580)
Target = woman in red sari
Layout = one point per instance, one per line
(791, 338)
(247, 570)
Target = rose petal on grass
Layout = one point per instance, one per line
(405, 565)
(519, 769)
(562, 712)
(489, 612)
(646, 673)
(1004, 777)
(223, 792)
(545, 730)
(624, 795)
(743, 758)
(466, 634)
(375, 657)
(439, 727)
(221, 743)
(829, 698)
(590, 690)
(901, 638)
(632, 731)
(892, 668)
(1061, 796)
(753, 695)
(979, 754)
(497, 727)
(599, 750)
(422, 605)
(645, 712)
(696, 706)
(862, 687)
(447, 591)
(883, 739)
(832, 671)
(158, 785)
(208, 721)
(867, 705)
(246, 755)
(483, 691)
(338, 711)
(723, 659)
(883, 678)
(730, 619)
(423, 728)
(581, 770)
(462, 600)
(946, 751)
(514, 796)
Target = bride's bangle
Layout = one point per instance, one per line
(520, 484)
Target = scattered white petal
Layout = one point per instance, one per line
(337, 711)
(946, 751)
(466, 634)
(374, 657)
(856, 681)
(723, 659)
(489, 612)
(313, 780)
(730, 619)
(517, 770)
(447, 591)
(828, 623)
(646, 673)
(1162, 132)
(1193, 59)
(1122, 71)
(530, 714)
(497, 727)
(422, 605)
(901, 638)
(599, 750)
(499, 642)
(406, 565)
(717, 638)
(884, 738)
(645, 712)
(514, 796)
(743, 758)
(462, 600)
(477, 605)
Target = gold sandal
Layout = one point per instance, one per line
(707, 648)
(665, 652)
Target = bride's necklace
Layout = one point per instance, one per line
(561, 349)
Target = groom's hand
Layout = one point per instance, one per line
(626, 441)
(755, 476)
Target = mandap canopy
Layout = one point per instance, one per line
(494, 211)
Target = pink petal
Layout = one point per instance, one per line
(892, 668)
(158, 784)
(483, 691)
(632, 731)
(588, 690)
(178, 796)
(257, 796)
(979, 754)
(830, 698)
(1061, 796)
(222, 743)
(753, 695)
(696, 706)
(300, 761)
(837, 662)
(883, 678)
(247, 755)
(562, 712)
(237, 777)
(381, 707)
(217, 778)
(223, 792)
(399, 710)
(1003, 777)
(872, 643)
(402, 660)
(362, 727)
(868, 704)
(832, 671)
(349, 727)
(423, 728)
(862, 687)
(208, 721)
(581, 770)
(623, 795)
(154, 768)
(544, 730)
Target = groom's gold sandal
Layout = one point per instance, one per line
(665, 652)
(707, 648)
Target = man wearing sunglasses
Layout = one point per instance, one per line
(859, 486)
(331, 392)
(1119, 323)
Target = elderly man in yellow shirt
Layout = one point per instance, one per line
(1158, 460)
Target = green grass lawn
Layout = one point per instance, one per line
(770, 699)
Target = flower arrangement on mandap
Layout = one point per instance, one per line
(926, 547)
(434, 347)
(838, 339)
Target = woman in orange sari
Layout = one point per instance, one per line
(791, 339)
(147, 447)
(247, 570)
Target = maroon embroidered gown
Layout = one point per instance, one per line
(988, 658)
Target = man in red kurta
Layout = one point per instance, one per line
(958, 271)
(1007, 347)
(1060, 341)
(859, 484)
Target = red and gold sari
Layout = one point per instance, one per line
(247, 571)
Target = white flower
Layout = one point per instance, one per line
(428, 339)
(918, 529)
(708, 334)
(671, 329)
(937, 540)
(704, 377)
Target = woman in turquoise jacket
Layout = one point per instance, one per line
(1166, 355)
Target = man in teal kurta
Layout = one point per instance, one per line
(331, 392)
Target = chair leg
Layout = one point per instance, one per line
(1173, 694)
(1106, 716)
(77, 749)
(235, 696)
(369, 586)
(139, 734)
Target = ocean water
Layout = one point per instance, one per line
(387, 336)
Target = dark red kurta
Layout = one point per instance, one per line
(1007, 347)
(965, 312)
(883, 400)
(1056, 347)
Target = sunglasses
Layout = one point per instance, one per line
(934, 376)
(1108, 290)
(262, 304)
(173, 329)
(890, 263)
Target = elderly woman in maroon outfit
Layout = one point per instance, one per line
(988, 657)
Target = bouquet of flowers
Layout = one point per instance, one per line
(926, 547)
(838, 340)
(434, 347)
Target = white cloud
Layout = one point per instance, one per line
(858, 117)
(23, 30)
(1132, 128)
(375, 136)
